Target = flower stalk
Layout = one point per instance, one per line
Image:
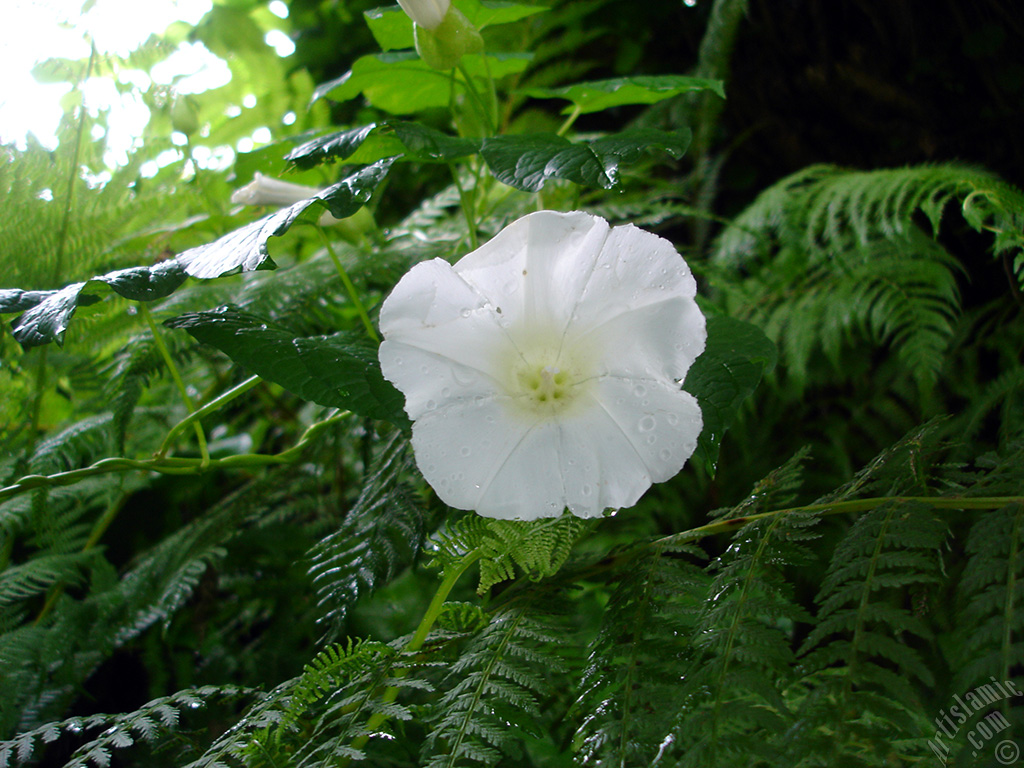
(450, 577)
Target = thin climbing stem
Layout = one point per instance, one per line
(171, 465)
(564, 128)
(468, 203)
(214, 405)
(349, 287)
(843, 507)
(158, 339)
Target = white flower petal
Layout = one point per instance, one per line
(657, 420)
(633, 270)
(481, 455)
(535, 269)
(655, 341)
(431, 380)
(265, 190)
(436, 312)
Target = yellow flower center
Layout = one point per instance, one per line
(546, 384)
(549, 375)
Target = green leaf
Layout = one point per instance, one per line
(17, 300)
(630, 145)
(245, 249)
(336, 145)
(48, 320)
(395, 137)
(47, 314)
(604, 94)
(146, 283)
(392, 29)
(425, 143)
(736, 357)
(338, 371)
(527, 161)
(490, 13)
(401, 83)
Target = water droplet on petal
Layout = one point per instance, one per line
(639, 390)
(465, 451)
(431, 405)
(466, 312)
(587, 489)
(446, 392)
(672, 420)
(665, 454)
(464, 377)
(647, 423)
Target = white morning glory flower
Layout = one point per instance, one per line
(427, 13)
(542, 370)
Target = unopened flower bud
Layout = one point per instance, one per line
(264, 190)
(426, 13)
(443, 46)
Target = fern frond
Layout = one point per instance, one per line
(742, 657)
(381, 534)
(321, 716)
(862, 659)
(990, 594)
(328, 671)
(825, 209)
(21, 582)
(149, 722)
(829, 255)
(493, 690)
(628, 694)
(538, 548)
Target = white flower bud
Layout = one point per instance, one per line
(263, 190)
(426, 13)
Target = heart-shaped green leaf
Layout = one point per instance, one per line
(340, 370)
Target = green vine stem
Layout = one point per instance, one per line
(564, 128)
(172, 465)
(451, 577)
(207, 409)
(349, 287)
(176, 375)
(468, 203)
(490, 120)
(842, 507)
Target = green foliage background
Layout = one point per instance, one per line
(215, 546)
